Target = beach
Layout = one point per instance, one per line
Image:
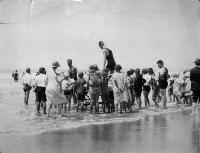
(34, 33)
(23, 131)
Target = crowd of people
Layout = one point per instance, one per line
(118, 91)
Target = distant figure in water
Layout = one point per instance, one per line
(15, 76)
(109, 61)
(27, 84)
(195, 82)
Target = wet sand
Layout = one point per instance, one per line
(169, 133)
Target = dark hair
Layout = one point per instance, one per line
(69, 60)
(101, 43)
(28, 70)
(144, 71)
(128, 73)
(118, 67)
(80, 74)
(42, 70)
(160, 62)
(137, 71)
(132, 71)
(150, 71)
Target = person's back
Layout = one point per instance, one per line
(138, 82)
(94, 79)
(195, 78)
(110, 58)
(80, 85)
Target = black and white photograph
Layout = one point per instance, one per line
(99, 76)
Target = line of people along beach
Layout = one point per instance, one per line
(119, 92)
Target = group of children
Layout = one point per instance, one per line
(117, 91)
(179, 89)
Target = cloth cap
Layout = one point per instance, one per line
(55, 64)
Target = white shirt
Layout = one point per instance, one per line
(147, 77)
(160, 72)
(41, 80)
(66, 84)
(27, 79)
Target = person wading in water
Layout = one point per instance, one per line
(109, 61)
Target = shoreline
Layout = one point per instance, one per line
(102, 119)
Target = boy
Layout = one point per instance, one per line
(40, 83)
(79, 90)
(68, 87)
(138, 83)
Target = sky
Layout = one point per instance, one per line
(139, 32)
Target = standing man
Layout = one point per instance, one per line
(73, 75)
(162, 82)
(195, 82)
(72, 70)
(109, 61)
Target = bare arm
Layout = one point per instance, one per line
(104, 59)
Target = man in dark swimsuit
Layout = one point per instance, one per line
(73, 75)
(108, 58)
(162, 81)
(72, 70)
(195, 82)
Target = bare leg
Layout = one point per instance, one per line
(44, 107)
(163, 97)
(139, 102)
(116, 108)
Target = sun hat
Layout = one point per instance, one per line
(197, 61)
(55, 64)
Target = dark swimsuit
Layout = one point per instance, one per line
(110, 60)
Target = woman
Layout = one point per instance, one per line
(27, 84)
(94, 84)
(119, 81)
(54, 89)
(108, 58)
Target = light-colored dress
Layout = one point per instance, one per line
(53, 92)
(121, 80)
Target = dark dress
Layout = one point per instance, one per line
(110, 60)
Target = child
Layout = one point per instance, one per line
(79, 90)
(138, 83)
(170, 88)
(40, 83)
(154, 86)
(177, 88)
(146, 86)
(105, 91)
(94, 84)
(187, 89)
(130, 90)
(68, 87)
